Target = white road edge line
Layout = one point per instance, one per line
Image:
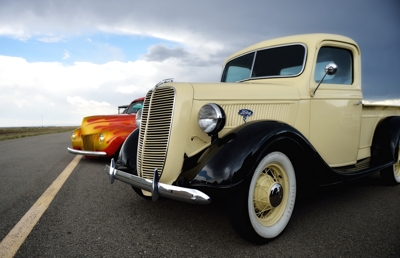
(12, 242)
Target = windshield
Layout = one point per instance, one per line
(134, 107)
(283, 61)
(122, 109)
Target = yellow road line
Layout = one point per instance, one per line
(13, 241)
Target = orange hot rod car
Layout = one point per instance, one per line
(103, 136)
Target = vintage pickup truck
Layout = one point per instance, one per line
(287, 114)
(103, 135)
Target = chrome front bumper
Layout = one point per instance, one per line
(156, 188)
(88, 153)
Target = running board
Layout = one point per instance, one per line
(360, 168)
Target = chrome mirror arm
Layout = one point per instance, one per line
(330, 69)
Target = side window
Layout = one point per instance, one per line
(238, 69)
(344, 61)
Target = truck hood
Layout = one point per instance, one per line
(246, 91)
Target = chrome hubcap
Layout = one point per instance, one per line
(276, 195)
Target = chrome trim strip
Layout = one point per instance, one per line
(252, 64)
(87, 153)
(163, 81)
(169, 191)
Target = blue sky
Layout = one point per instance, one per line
(97, 48)
(63, 60)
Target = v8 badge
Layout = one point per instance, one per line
(245, 113)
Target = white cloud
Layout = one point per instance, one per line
(66, 55)
(73, 91)
(389, 102)
(20, 103)
(16, 31)
(85, 103)
(129, 89)
(50, 39)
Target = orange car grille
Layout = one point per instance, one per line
(155, 130)
(88, 142)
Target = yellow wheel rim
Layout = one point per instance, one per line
(272, 175)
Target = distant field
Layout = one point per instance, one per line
(19, 132)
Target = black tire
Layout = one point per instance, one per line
(260, 211)
(132, 171)
(140, 193)
(391, 175)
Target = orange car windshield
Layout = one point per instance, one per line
(134, 107)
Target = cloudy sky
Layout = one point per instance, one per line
(63, 60)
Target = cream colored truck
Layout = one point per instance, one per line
(288, 113)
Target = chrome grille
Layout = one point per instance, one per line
(154, 131)
(88, 142)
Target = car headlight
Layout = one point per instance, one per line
(211, 118)
(138, 118)
(101, 137)
(73, 136)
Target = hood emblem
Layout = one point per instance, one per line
(245, 113)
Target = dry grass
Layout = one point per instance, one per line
(20, 132)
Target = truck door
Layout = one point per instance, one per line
(335, 116)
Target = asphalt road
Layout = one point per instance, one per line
(90, 217)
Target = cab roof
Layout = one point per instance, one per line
(308, 39)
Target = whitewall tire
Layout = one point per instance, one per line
(262, 210)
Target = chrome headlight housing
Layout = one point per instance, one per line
(211, 118)
(139, 118)
(101, 137)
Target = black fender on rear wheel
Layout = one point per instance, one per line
(385, 142)
(261, 210)
(391, 175)
(385, 149)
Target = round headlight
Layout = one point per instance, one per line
(211, 118)
(73, 136)
(138, 118)
(101, 137)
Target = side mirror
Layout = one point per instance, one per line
(330, 69)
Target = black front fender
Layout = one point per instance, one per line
(233, 159)
(128, 153)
